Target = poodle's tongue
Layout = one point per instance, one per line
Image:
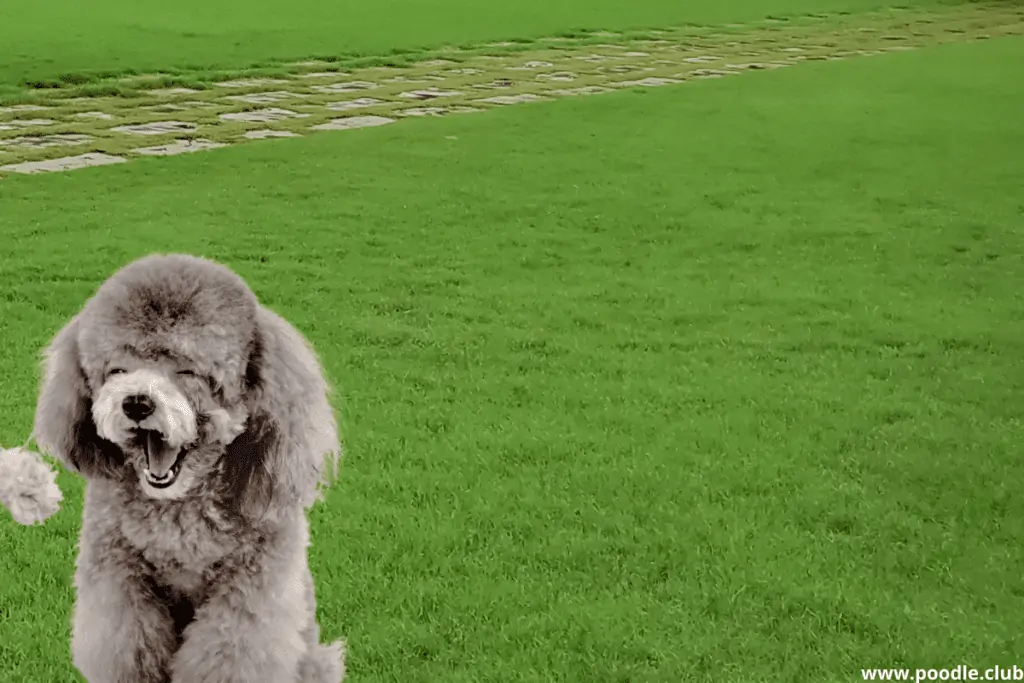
(160, 457)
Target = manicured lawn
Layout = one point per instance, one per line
(47, 39)
(719, 382)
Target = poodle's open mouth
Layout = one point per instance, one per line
(163, 462)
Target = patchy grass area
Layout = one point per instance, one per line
(56, 40)
(712, 383)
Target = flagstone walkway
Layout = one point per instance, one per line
(119, 120)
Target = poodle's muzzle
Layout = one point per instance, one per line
(145, 409)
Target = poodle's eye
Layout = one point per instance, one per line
(115, 371)
(187, 373)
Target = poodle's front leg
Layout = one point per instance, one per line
(121, 633)
(249, 630)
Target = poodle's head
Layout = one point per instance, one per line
(174, 377)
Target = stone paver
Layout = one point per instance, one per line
(429, 94)
(322, 74)
(264, 115)
(178, 147)
(63, 163)
(359, 103)
(497, 84)
(168, 107)
(19, 108)
(170, 92)
(26, 123)
(250, 82)
(44, 141)
(100, 115)
(513, 99)
(156, 128)
(348, 86)
(264, 97)
(352, 122)
(412, 80)
(531, 66)
(646, 83)
(561, 77)
(585, 90)
(264, 134)
(435, 111)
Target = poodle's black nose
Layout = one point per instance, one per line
(137, 407)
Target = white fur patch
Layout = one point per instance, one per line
(173, 417)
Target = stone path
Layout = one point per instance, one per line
(156, 115)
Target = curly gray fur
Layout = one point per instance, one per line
(205, 580)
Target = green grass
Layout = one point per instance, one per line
(711, 383)
(59, 39)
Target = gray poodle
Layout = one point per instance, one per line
(200, 421)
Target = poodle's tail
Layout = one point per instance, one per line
(324, 664)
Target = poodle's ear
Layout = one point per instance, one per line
(63, 423)
(289, 448)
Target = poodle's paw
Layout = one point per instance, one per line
(28, 487)
(324, 664)
(118, 638)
